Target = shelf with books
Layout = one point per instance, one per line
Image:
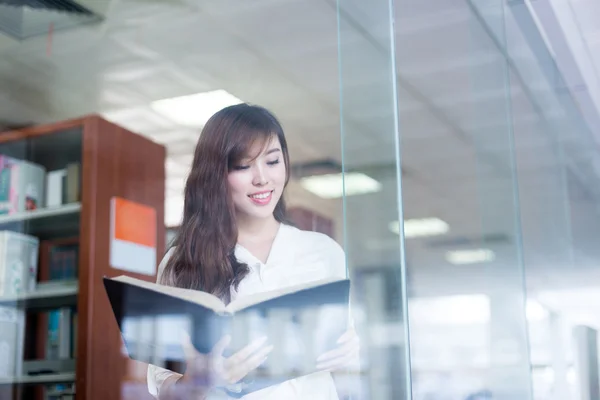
(42, 213)
(46, 296)
(44, 222)
(60, 394)
(56, 186)
(47, 367)
(64, 377)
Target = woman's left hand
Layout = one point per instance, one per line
(345, 355)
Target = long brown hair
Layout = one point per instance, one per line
(203, 249)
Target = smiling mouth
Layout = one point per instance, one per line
(261, 199)
(261, 196)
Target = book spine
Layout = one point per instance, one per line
(21, 185)
(32, 179)
(12, 332)
(64, 333)
(73, 183)
(60, 339)
(5, 185)
(3, 268)
(20, 259)
(55, 188)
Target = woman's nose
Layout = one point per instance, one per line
(260, 178)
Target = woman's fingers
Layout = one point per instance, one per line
(204, 368)
(239, 371)
(347, 336)
(198, 370)
(230, 369)
(343, 355)
(340, 351)
(246, 352)
(338, 362)
(221, 345)
(188, 347)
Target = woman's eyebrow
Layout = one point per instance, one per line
(273, 150)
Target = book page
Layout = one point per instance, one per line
(191, 295)
(258, 298)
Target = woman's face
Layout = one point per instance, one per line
(256, 183)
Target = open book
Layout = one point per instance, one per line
(301, 322)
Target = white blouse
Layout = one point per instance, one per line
(296, 257)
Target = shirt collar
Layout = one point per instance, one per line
(280, 249)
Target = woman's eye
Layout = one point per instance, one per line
(273, 162)
(240, 167)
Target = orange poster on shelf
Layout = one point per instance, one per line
(133, 236)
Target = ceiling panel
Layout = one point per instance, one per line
(278, 32)
(318, 69)
(228, 7)
(419, 153)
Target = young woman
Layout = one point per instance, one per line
(233, 242)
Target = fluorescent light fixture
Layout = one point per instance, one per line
(421, 227)
(461, 257)
(462, 309)
(331, 186)
(194, 109)
(450, 310)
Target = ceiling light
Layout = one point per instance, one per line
(331, 186)
(450, 310)
(420, 227)
(461, 257)
(195, 109)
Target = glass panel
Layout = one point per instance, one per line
(557, 157)
(372, 180)
(142, 52)
(464, 275)
(494, 138)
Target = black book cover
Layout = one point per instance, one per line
(302, 322)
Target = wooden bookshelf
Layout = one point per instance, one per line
(112, 162)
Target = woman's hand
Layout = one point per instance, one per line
(345, 355)
(208, 371)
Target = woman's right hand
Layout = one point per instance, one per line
(208, 371)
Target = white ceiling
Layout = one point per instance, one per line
(455, 118)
